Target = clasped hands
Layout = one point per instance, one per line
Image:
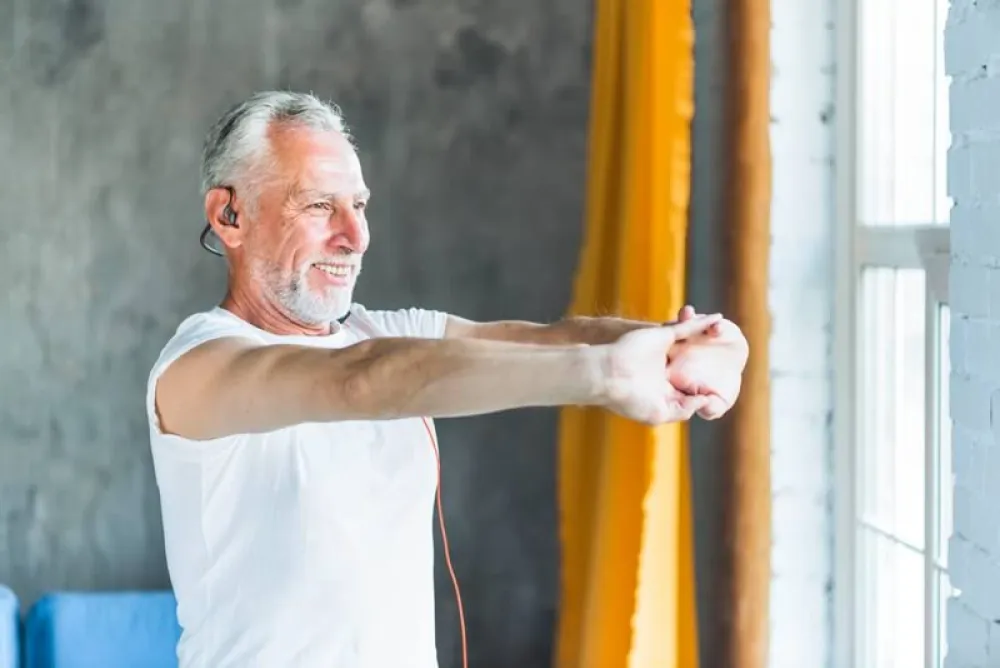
(709, 366)
(672, 372)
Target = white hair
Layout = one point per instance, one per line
(237, 145)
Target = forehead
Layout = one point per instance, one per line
(316, 159)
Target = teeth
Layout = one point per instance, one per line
(340, 271)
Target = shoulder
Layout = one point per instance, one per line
(408, 322)
(193, 331)
(200, 328)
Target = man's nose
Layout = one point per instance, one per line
(351, 229)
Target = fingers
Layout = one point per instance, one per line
(682, 381)
(693, 404)
(683, 408)
(688, 312)
(695, 326)
(714, 408)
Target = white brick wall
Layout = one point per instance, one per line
(801, 301)
(972, 59)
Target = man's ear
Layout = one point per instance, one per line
(222, 214)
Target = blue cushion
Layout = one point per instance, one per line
(10, 623)
(111, 630)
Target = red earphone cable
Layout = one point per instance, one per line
(447, 551)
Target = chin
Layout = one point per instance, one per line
(312, 309)
(327, 310)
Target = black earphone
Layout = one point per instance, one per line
(230, 216)
(227, 211)
(230, 219)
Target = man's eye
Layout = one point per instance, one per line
(360, 206)
(322, 206)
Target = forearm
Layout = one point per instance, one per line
(569, 331)
(395, 378)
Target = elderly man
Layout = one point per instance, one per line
(290, 427)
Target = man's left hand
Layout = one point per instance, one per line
(710, 365)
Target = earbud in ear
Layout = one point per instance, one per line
(230, 216)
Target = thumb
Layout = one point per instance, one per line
(686, 313)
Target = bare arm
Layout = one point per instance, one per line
(231, 386)
(710, 366)
(569, 331)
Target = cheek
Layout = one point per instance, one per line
(297, 243)
(365, 237)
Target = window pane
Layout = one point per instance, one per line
(946, 488)
(902, 112)
(891, 445)
(892, 586)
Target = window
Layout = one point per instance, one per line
(892, 430)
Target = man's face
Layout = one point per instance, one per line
(309, 232)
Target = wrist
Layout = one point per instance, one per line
(601, 330)
(591, 364)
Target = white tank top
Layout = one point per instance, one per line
(307, 546)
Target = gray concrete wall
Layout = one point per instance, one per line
(707, 284)
(471, 118)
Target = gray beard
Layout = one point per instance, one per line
(295, 297)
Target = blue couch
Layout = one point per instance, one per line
(110, 630)
(10, 629)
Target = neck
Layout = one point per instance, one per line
(264, 314)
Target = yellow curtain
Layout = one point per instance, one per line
(627, 572)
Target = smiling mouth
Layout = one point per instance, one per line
(335, 270)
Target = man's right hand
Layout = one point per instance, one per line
(635, 377)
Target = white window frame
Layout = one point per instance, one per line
(858, 246)
(911, 247)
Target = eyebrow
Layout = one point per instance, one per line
(310, 193)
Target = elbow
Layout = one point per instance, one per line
(352, 388)
(375, 382)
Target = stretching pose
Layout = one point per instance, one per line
(289, 425)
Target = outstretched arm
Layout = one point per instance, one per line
(231, 386)
(572, 330)
(588, 330)
(710, 366)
